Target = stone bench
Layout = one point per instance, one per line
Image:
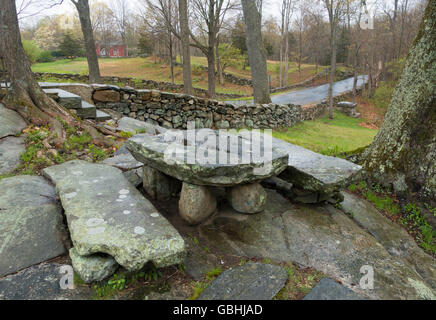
(173, 161)
(314, 177)
(108, 216)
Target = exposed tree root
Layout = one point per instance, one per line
(44, 111)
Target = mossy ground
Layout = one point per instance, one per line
(37, 156)
(410, 215)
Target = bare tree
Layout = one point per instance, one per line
(186, 48)
(88, 35)
(209, 16)
(26, 96)
(335, 10)
(256, 51)
(165, 16)
(121, 15)
(286, 11)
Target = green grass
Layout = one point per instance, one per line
(77, 66)
(330, 137)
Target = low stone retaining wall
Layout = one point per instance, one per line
(172, 110)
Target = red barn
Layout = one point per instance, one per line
(111, 50)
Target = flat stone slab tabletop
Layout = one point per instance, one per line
(210, 158)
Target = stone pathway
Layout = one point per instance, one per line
(106, 214)
(31, 223)
(252, 281)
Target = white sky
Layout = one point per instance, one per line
(29, 17)
(271, 8)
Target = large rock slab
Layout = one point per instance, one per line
(10, 150)
(124, 162)
(107, 214)
(321, 237)
(31, 223)
(392, 236)
(327, 289)
(315, 173)
(252, 281)
(134, 126)
(41, 282)
(11, 122)
(230, 159)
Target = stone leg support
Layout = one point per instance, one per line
(247, 198)
(159, 186)
(197, 203)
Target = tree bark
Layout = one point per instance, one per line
(332, 68)
(404, 151)
(88, 35)
(256, 52)
(186, 50)
(25, 95)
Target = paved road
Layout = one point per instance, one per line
(311, 95)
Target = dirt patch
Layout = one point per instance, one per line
(371, 115)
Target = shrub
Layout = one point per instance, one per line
(45, 56)
(32, 51)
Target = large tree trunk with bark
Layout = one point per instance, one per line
(404, 151)
(256, 52)
(91, 52)
(26, 96)
(186, 50)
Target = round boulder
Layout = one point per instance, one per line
(197, 203)
(247, 198)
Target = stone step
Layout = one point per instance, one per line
(88, 111)
(106, 214)
(102, 116)
(64, 98)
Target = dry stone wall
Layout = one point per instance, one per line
(172, 110)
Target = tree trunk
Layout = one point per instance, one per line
(219, 67)
(186, 50)
(211, 71)
(256, 52)
(26, 96)
(404, 151)
(332, 69)
(91, 52)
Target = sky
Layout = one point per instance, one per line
(39, 9)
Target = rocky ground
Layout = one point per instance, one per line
(99, 219)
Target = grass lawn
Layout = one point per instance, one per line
(329, 137)
(146, 68)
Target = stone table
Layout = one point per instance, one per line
(204, 159)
